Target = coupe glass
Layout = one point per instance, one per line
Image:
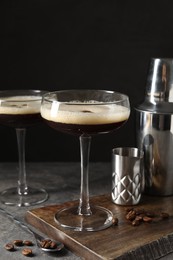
(85, 113)
(20, 109)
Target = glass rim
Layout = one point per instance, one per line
(124, 97)
(21, 92)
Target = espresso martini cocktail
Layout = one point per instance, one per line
(20, 109)
(85, 113)
(89, 117)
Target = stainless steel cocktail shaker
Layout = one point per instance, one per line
(154, 125)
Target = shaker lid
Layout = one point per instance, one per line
(159, 85)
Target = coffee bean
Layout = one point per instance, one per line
(131, 215)
(139, 218)
(164, 215)
(147, 219)
(135, 222)
(45, 243)
(42, 243)
(9, 247)
(28, 243)
(27, 252)
(18, 242)
(115, 221)
(53, 245)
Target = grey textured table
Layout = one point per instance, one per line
(62, 182)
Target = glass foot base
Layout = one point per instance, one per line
(33, 197)
(100, 218)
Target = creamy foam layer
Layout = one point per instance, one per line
(85, 113)
(20, 105)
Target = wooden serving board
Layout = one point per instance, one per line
(124, 241)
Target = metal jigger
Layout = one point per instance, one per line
(154, 127)
(127, 175)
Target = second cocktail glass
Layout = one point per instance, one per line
(20, 109)
(85, 113)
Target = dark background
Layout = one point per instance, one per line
(55, 44)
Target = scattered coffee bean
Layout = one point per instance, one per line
(147, 219)
(28, 243)
(18, 242)
(27, 252)
(131, 215)
(137, 216)
(164, 215)
(115, 221)
(135, 222)
(9, 247)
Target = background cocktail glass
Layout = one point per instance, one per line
(20, 109)
(85, 113)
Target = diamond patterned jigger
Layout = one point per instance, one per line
(127, 175)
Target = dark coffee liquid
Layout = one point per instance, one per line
(76, 129)
(20, 120)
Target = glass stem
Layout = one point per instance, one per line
(22, 185)
(84, 206)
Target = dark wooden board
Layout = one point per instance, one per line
(117, 242)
